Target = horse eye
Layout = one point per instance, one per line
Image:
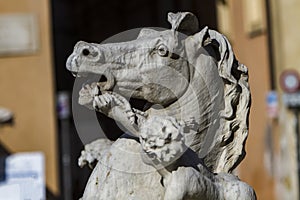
(162, 50)
(89, 52)
(85, 52)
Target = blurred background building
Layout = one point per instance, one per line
(264, 35)
(265, 38)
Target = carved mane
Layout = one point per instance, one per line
(229, 149)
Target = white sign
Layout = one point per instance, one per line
(10, 192)
(18, 34)
(24, 175)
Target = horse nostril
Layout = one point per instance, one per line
(103, 79)
(85, 52)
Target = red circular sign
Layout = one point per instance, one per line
(289, 81)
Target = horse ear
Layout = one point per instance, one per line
(197, 40)
(184, 22)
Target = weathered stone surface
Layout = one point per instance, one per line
(192, 131)
(121, 174)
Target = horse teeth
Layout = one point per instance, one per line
(101, 84)
(95, 91)
(75, 74)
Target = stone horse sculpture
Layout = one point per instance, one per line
(191, 133)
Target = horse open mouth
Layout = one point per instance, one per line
(97, 85)
(94, 85)
(105, 81)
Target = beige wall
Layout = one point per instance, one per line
(253, 52)
(26, 87)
